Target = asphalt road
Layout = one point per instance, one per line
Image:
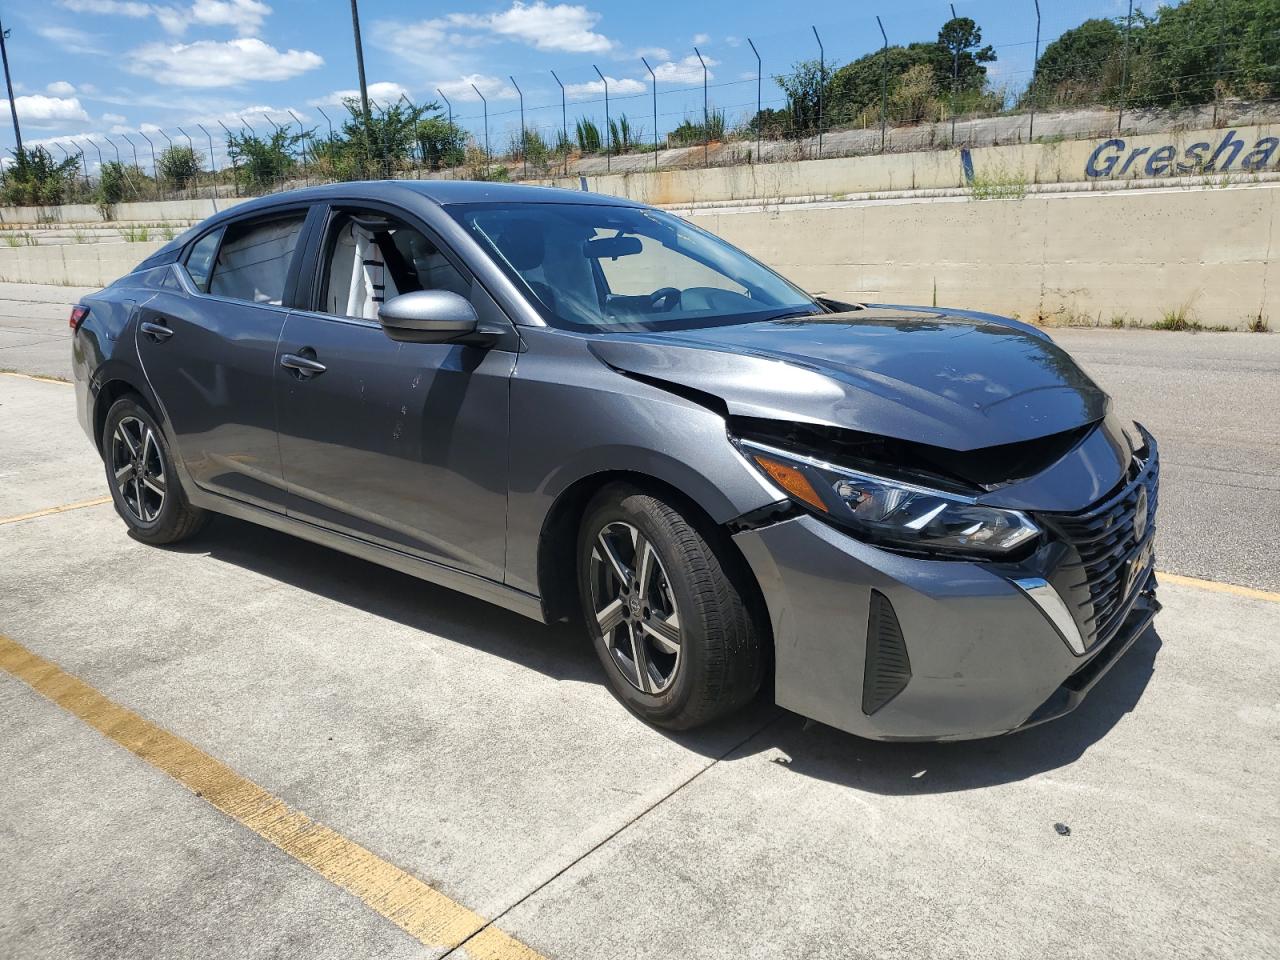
(456, 750)
(1213, 400)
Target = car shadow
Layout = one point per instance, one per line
(903, 769)
(561, 652)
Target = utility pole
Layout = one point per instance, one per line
(1035, 75)
(1124, 69)
(13, 107)
(364, 87)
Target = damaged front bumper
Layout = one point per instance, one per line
(893, 647)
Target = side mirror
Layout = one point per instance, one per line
(428, 316)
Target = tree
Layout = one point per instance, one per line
(180, 165)
(963, 55)
(36, 179)
(443, 144)
(804, 86)
(262, 161)
(1081, 66)
(112, 183)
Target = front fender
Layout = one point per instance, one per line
(574, 418)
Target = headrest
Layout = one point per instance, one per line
(521, 242)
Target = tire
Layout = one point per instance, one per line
(709, 660)
(144, 485)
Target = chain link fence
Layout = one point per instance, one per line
(1206, 63)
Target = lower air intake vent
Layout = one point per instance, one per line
(888, 668)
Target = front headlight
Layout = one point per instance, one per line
(893, 513)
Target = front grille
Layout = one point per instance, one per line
(1098, 580)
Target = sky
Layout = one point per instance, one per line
(92, 69)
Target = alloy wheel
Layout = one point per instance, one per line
(138, 469)
(635, 608)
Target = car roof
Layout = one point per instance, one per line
(442, 192)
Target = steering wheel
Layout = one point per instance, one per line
(668, 297)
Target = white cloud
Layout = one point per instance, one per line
(385, 92)
(114, 118)
(493, 88)
(60, 88)
(120, 8)
(38, 110)
(71, 40)
(561, 26)
(686, 71)
(700, 38)
(245, 15)
(212, 63)
(653, 53)
(594, 88)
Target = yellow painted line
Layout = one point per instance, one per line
(423, 912)
(32, 376)
(49, 511)
(1218, 587)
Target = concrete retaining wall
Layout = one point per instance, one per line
(73, 264)
(1073, 258)
(1201, 245)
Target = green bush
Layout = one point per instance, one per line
(36, 179)
(179, 165)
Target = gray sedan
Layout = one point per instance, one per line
(907, 523)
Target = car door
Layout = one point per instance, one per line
(209, 353)
(400, 444)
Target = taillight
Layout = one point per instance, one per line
(78, 313)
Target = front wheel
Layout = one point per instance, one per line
(676, 632)
(144, 485)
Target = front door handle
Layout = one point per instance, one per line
(156, 331)
(302, 367)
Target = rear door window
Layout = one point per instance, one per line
(253, 261)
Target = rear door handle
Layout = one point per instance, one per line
(156, 331)
(302, 367)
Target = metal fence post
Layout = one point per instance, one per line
(608, 130)
(822, 82)
(706, 114)
(486, 129)
(136, 165)
(884, 86)
(653, 80)
(955, 81)
(84, 164)
(1035, 72)
(524, 137)
(759, 98)
(213, 161)
(564, 123)
(449, 107)
(155, 173)
(1124, 70)
(235, 164)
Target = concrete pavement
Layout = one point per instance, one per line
(482, 754)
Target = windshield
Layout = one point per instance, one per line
(614, 268)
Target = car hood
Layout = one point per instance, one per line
(962, 381)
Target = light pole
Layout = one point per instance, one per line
(364, 88)
(13, 107)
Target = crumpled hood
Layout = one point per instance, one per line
(957, 380)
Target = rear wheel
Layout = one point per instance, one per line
(679, 642)
(144, 486)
